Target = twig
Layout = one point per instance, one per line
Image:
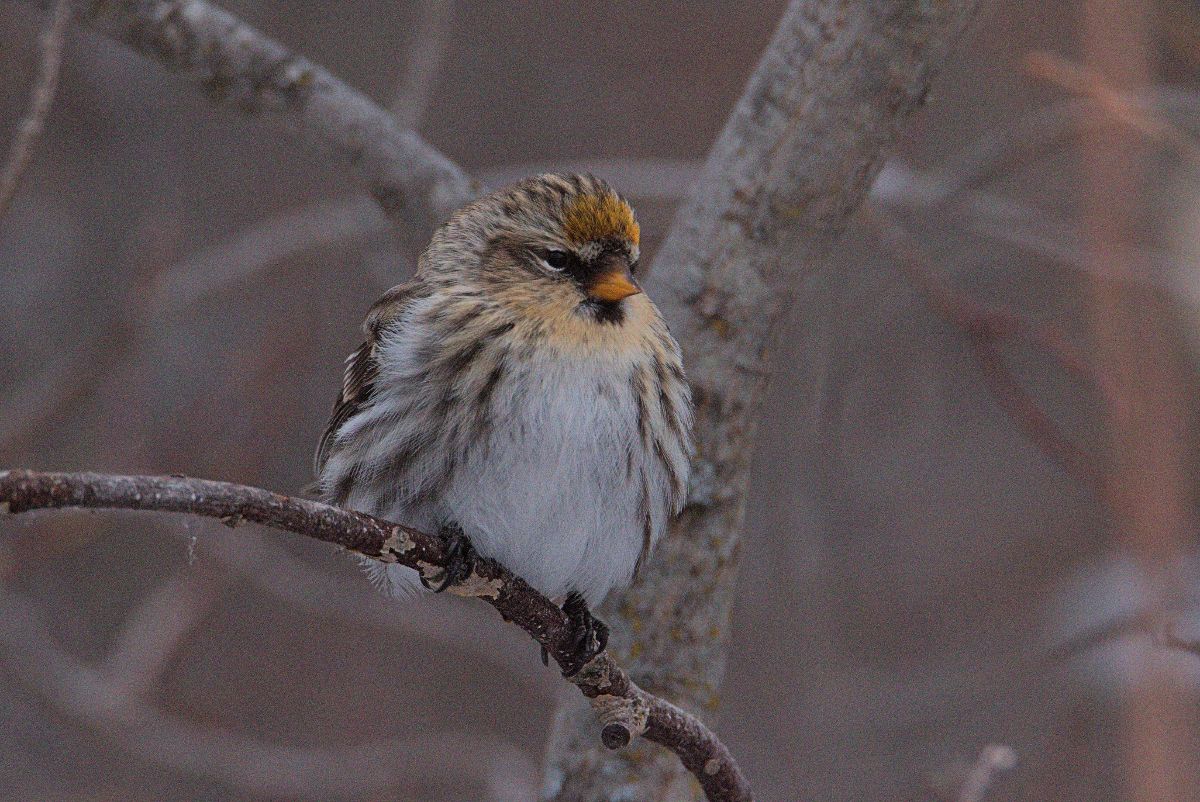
(153, 631)
(1159, 625)
(423, 62)
(273, 239)
(1118, 105)
(59, 386)
(251, 251)
(1001, 219)
(988, 326)
(259, 768)
(271, 569)
(630, 710)
(649, 178)
(1017, 143)
(1165, 637)
(993, 759)
(68, 380)
(239, 67)
(44, 88)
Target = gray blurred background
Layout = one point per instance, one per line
(180, 285)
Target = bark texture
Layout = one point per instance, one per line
(799, 152)
(626, 711)
(795, 159)
(239, 67)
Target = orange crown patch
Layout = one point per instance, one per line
(592, 217)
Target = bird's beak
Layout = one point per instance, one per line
(614, 285)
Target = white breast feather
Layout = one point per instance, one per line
(547, 492)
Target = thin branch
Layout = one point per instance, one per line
(271, 569)
(649, 178)
(47, 397)
(89, 696)
(1002, 219)
(423, 62)
(153, 631)
(1119, 106)
(994, 759)
(40, 99)
(1166, 637)
(1158, 625)
(237, 66)
(247, 253)
(240, 257)
(1020, 141)
(626, 710)
(1014, 144)
(987, 327)
(54, 391)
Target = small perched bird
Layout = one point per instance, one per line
(521, 396)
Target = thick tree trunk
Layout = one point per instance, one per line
(795, 160)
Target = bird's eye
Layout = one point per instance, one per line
(557, 260)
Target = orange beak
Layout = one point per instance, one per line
(614, 285)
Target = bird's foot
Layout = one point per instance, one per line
(460, 558)
(589, 634)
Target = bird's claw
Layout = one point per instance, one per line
(590, 634)
(460, 558)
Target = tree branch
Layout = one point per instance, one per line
(44, 88)
(239, 67)
(626, 710)
(987, 328)
(994, 759)
(796, 159)
(153, 631)
(423, 62)
(255, 767)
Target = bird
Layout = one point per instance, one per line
(522, 397)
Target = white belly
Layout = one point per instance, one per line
(554, 490)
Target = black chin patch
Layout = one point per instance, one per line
(611, 312)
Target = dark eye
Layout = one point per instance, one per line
(558, 260)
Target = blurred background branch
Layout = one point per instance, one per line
(627, 711)
(238, 66)
(794, 161)
(422, 63)
(40, 98)
(107, 703)
(176, 291)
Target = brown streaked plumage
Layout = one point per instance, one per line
(520, 387)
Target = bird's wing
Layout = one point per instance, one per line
(362, 366)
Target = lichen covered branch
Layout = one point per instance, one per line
(626, 710)
(240, 67)
(795, 160)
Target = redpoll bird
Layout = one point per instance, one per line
(521, 396)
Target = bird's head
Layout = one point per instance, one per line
(554, 246)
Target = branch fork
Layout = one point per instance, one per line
(796, 157)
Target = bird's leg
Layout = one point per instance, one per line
(460, 558)
(590, 634)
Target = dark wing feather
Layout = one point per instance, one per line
(362, 366)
